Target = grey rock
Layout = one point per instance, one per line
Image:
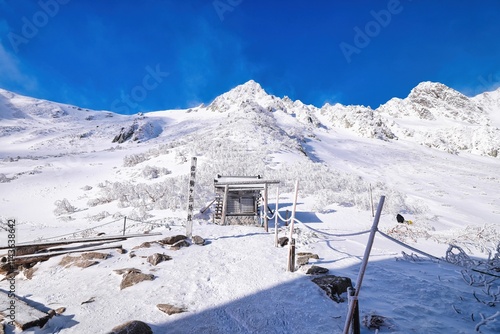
(334, 286)
(158, 258)
(132, 278)
(132, 327)
(172, 240)
(170, 309)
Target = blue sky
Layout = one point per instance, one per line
(130, 56)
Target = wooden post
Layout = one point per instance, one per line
(266, 220)
(124, 224)
(276, 221)
(291, 265)
(356, 326)
(371, 200)
(286, 218)
(291, 256)
(224, 205)
(192, 176)
(363, 266)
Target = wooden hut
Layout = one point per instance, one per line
(238, 199)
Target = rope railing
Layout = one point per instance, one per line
(315, 230)
(94, 227)
(410, 247)
(73, 233)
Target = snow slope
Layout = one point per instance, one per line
(431, 155)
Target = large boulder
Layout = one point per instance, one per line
(132, 327)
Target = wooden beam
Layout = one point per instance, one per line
(266, 221)
(72, 241)
(249, 182)
(224, 206)
(26, 316)
(30, 258)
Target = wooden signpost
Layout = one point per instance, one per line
(192, 177)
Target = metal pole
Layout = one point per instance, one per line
(291, 266)
(124, 224)
(362, 270)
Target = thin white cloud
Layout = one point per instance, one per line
(11, 73)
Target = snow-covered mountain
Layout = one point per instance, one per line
(432, 115)
(68, 172)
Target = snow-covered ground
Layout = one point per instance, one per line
(431, 155)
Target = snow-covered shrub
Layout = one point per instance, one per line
(134, 159)
(149, 172)
(483, 238)
(411, 233)
(98, 217)
(63, 207)
(167, 194)
(98, 201)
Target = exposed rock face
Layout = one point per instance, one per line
(158, 258)
(334, 286)
(132, 327)
(170, 309)
(125, 134)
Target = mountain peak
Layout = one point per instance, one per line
(250, 90)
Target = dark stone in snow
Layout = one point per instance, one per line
(172, 240)
(198, 240)
(170, 309)
(179, 244)
(158, 258)
(334, 286)
(316, 270)
(132, 327)
(132, 278)
(283, 241)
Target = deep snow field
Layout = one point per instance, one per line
(237, 282)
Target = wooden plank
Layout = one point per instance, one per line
(67, 251)
(25, 316)
(249, 182)
(71, 241)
